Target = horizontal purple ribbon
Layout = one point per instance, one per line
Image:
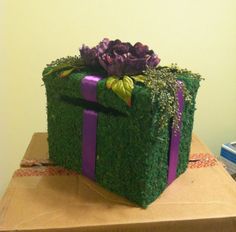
(89, 132)
(175, 138)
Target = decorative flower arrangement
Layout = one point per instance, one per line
(126, 64)
(119, 58)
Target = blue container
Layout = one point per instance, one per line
(228, 156)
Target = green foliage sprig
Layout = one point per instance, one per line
(163, 85)
(66, 65)
(185, 72)
(70, 60)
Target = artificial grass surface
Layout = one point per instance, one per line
(132, 154)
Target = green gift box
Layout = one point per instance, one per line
(132, 153)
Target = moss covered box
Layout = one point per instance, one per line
(132, 150)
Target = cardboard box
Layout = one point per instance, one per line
(202, 199)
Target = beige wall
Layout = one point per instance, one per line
(199, 35)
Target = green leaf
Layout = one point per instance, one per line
(58, 68)
(139, 78)
(122, 87)
(67, 72)
(110, 81)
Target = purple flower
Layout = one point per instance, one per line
(119, 58)
(140, 50)
(89, 56)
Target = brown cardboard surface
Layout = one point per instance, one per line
(202, 199)
(38, 147)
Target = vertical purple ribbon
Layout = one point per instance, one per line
(175, 138)
(89, 131)
(89, 93)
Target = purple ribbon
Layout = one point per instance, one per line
(175, 138)
(89, 132)
(90, 118)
